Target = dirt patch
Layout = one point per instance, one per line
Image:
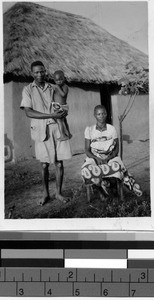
(23, 190)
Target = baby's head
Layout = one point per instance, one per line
(59, 77)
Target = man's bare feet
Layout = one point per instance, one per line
(44, 200)
(59, 197)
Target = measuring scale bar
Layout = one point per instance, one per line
(50, 258)
(63, 282)
(58, 258)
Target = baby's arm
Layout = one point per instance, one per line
(59, 107)
(63, 91)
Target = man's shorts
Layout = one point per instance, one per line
(51, 149)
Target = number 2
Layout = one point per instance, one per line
(70, 274)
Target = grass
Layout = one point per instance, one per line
(23, 188)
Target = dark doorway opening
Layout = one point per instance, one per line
(106, 101)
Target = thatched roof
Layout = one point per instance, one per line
(83, 50)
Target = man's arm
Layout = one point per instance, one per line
(30, 113)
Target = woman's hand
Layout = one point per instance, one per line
(100, 161)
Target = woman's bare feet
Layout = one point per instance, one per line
(59, 197)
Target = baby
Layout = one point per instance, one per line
(60, 104)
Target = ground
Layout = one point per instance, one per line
(23, 189)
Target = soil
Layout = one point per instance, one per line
(23, 189)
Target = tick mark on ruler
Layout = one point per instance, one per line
(147, 275)
(111, 276)
(72, 288)
(4, 274)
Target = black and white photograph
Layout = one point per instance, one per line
(76, 110)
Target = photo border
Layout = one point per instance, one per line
(90, 224)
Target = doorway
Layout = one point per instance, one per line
(106, 101)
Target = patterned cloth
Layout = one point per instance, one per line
(94, 173)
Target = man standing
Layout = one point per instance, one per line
(37, 100)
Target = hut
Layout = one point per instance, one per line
(92, 59)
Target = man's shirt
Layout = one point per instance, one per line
(40, 100)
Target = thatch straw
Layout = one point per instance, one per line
(83, 50)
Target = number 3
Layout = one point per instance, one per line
(21, 292)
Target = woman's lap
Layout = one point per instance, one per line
(94, 174)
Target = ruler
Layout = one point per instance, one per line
(48, 268)
(70, 282)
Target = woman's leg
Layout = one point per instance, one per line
(128, 179)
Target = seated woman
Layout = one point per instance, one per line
(102, 161)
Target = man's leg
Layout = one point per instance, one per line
(59, 180)
(45, 182)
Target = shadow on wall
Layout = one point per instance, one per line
(8, 149)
